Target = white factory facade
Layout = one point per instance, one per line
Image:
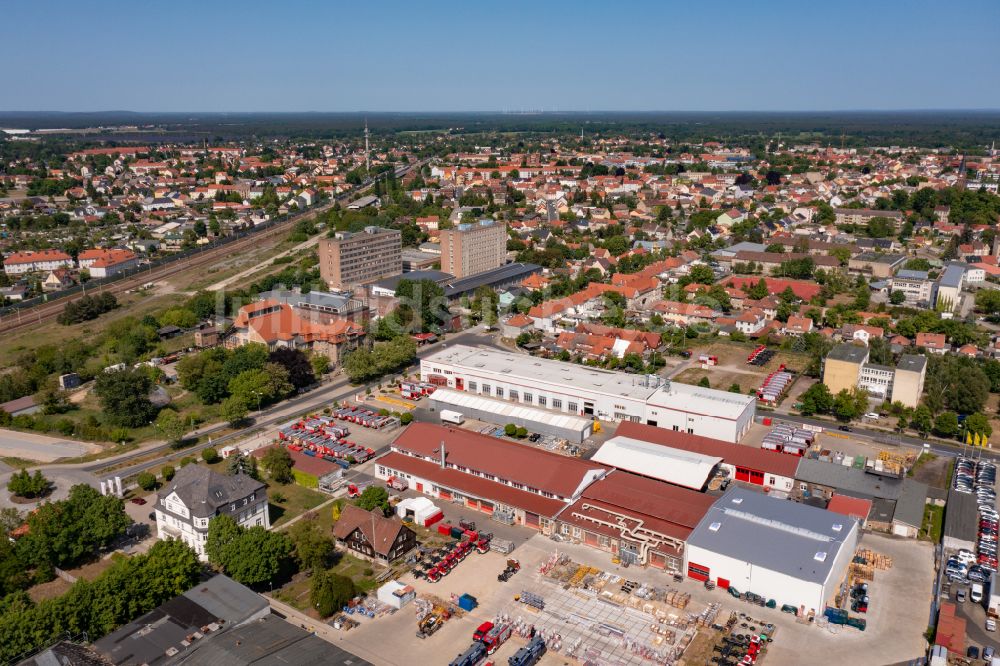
(793, 553)
(591, 392)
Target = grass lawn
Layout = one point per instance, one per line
(298, 500)
(296, 591)
(933, 520)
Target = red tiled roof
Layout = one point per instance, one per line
(511, 461)
(801, 288)
(850, 506)
(950, 629)
(469, 484)
(734, 454)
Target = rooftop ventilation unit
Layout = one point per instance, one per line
(714, 527)
(737, 500)
(837, 527)
(820, 556)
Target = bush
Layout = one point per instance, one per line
(167, 472)
(210, 455)
(27, 485)
(277, 497)
(406, 418)
(368, 571)
(146, 481)
(510, 430)
(186, 460)
(521, 432)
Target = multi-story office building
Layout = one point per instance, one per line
(351, 259)
(847, 366)
(914, 285)
(473, 248)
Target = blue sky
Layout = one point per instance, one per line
(383, 55)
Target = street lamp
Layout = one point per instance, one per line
(258, 394)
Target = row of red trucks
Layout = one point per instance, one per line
(319, 436)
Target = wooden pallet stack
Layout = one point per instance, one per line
(678, 599)
(861, 571)
(873, 559)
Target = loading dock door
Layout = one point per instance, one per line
(723, 583)
(588, 408)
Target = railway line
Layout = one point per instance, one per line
(40, 314)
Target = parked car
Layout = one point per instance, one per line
(137, 500)
(972, 652)
(988, 653)
(844, 428)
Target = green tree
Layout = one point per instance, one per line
(297, 364)
(313, 548)
(210, 455)
(28, 485)
(124, 397)
(240, 463)
(978, 424)
(250, 556)
(817, 399)
(897, 297)
(234, 410)
(735, 388)
(521, 432)
(63, 533)
(988, 301)
(946, 424)
(923, 420)
(329, 592)
(704, 382)
(167, 472)
(146, 481)
(171, 426)
(406, 418)
(277, 461)
(374, 497)
(510, 429)
(757, 291)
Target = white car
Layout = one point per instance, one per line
(871, 415)
(965, 556)
(991, 624)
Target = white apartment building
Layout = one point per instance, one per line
(186, 505)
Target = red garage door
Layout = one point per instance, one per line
(742, 474)
(444, 494)
(698, 572)
(531, 519)
(724, 583)
(590, 538)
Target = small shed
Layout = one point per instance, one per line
(395, 594)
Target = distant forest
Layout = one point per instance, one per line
(962, 130)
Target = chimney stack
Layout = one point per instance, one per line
(442, 455)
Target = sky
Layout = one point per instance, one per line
(482, 55)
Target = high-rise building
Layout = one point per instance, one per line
(472, 248)
(350, 259)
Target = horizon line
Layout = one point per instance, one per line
(533, 112)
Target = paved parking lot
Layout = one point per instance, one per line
(32, 446)
(897, 617)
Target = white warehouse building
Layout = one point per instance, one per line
(592, 392)
(782, 550)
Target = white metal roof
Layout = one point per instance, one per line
(681, 468)
(512, 411)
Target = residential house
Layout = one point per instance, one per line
(935, 343)
(373, 536)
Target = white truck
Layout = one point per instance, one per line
(976, 593)
(451, 416)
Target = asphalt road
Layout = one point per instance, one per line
(338, 389)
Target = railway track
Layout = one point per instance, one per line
(40, 314)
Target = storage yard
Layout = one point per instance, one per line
(614, 615)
